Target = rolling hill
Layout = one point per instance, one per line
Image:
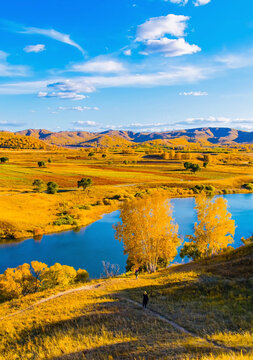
(198, 311)
(205, 136)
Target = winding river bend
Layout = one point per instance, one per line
(91, 245)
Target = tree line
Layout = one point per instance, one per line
(28, 279)
(150, 234)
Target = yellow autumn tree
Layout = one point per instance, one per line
(16, 282)
(38, 268)
(148, 231)
(215, 229)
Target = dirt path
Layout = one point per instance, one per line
(63, 293)
(178, 327)
(150, 311)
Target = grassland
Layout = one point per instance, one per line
(24, 213)
(211, 299)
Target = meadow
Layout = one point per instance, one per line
(210, 299)
(116, 174)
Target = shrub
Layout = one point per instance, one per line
(107, 202)
(207, 188)
(16, 282)
(210, 188)
(248, 186)
(65, 220)
(84, 183)
(41, 164)
(190, 250)
(81, 275)
(38, 184)
(4, 159)
(52, 187)
(58, 275)
(84, 207)
(116, 197)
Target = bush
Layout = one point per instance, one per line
(38, 184)
(4, 159)
(207, 188)
(191, 251)
(41, 164)
(26, 279)
(84, 183)
(52, 187)
(58, 275)
(81, 275)
(248, 186)
(65, 220)
(107, 202)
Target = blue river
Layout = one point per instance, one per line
(95, 243)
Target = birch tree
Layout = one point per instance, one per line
(214, 229)
(148, 231)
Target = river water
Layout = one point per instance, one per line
(87, 248)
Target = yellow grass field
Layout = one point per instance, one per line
(24, 213)
(210, 300)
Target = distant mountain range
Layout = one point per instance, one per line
(205, 136)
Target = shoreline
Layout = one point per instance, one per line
(99, 216)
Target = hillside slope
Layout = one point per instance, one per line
(13, 141)
(104, 321)
(205, 136)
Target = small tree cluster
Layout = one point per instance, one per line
(190, 166)
(41, 164)
(38, 185)
(52, 187)
(84, 183)
(27, 279)
(4, 159)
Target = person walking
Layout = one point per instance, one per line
(136, 273)
(145, 299)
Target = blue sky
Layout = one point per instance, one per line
(142, 65)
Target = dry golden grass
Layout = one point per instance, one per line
(24, 212)
(99, 323)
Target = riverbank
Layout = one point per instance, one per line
(89, 246)
(28, 214)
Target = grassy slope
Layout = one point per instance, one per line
(212, 299)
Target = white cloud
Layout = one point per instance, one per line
(102, 66)
(184, 2)
(157, 27)
(194, 93)
(201, 2)
(170, 47)
(179, 2)
(62, 95)
(35, 48)
(128, 52)
(11, 124)
(79, 108)
(73, 88)
(87, 123)
(216, 121)
(8, 70)
(53, 34)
